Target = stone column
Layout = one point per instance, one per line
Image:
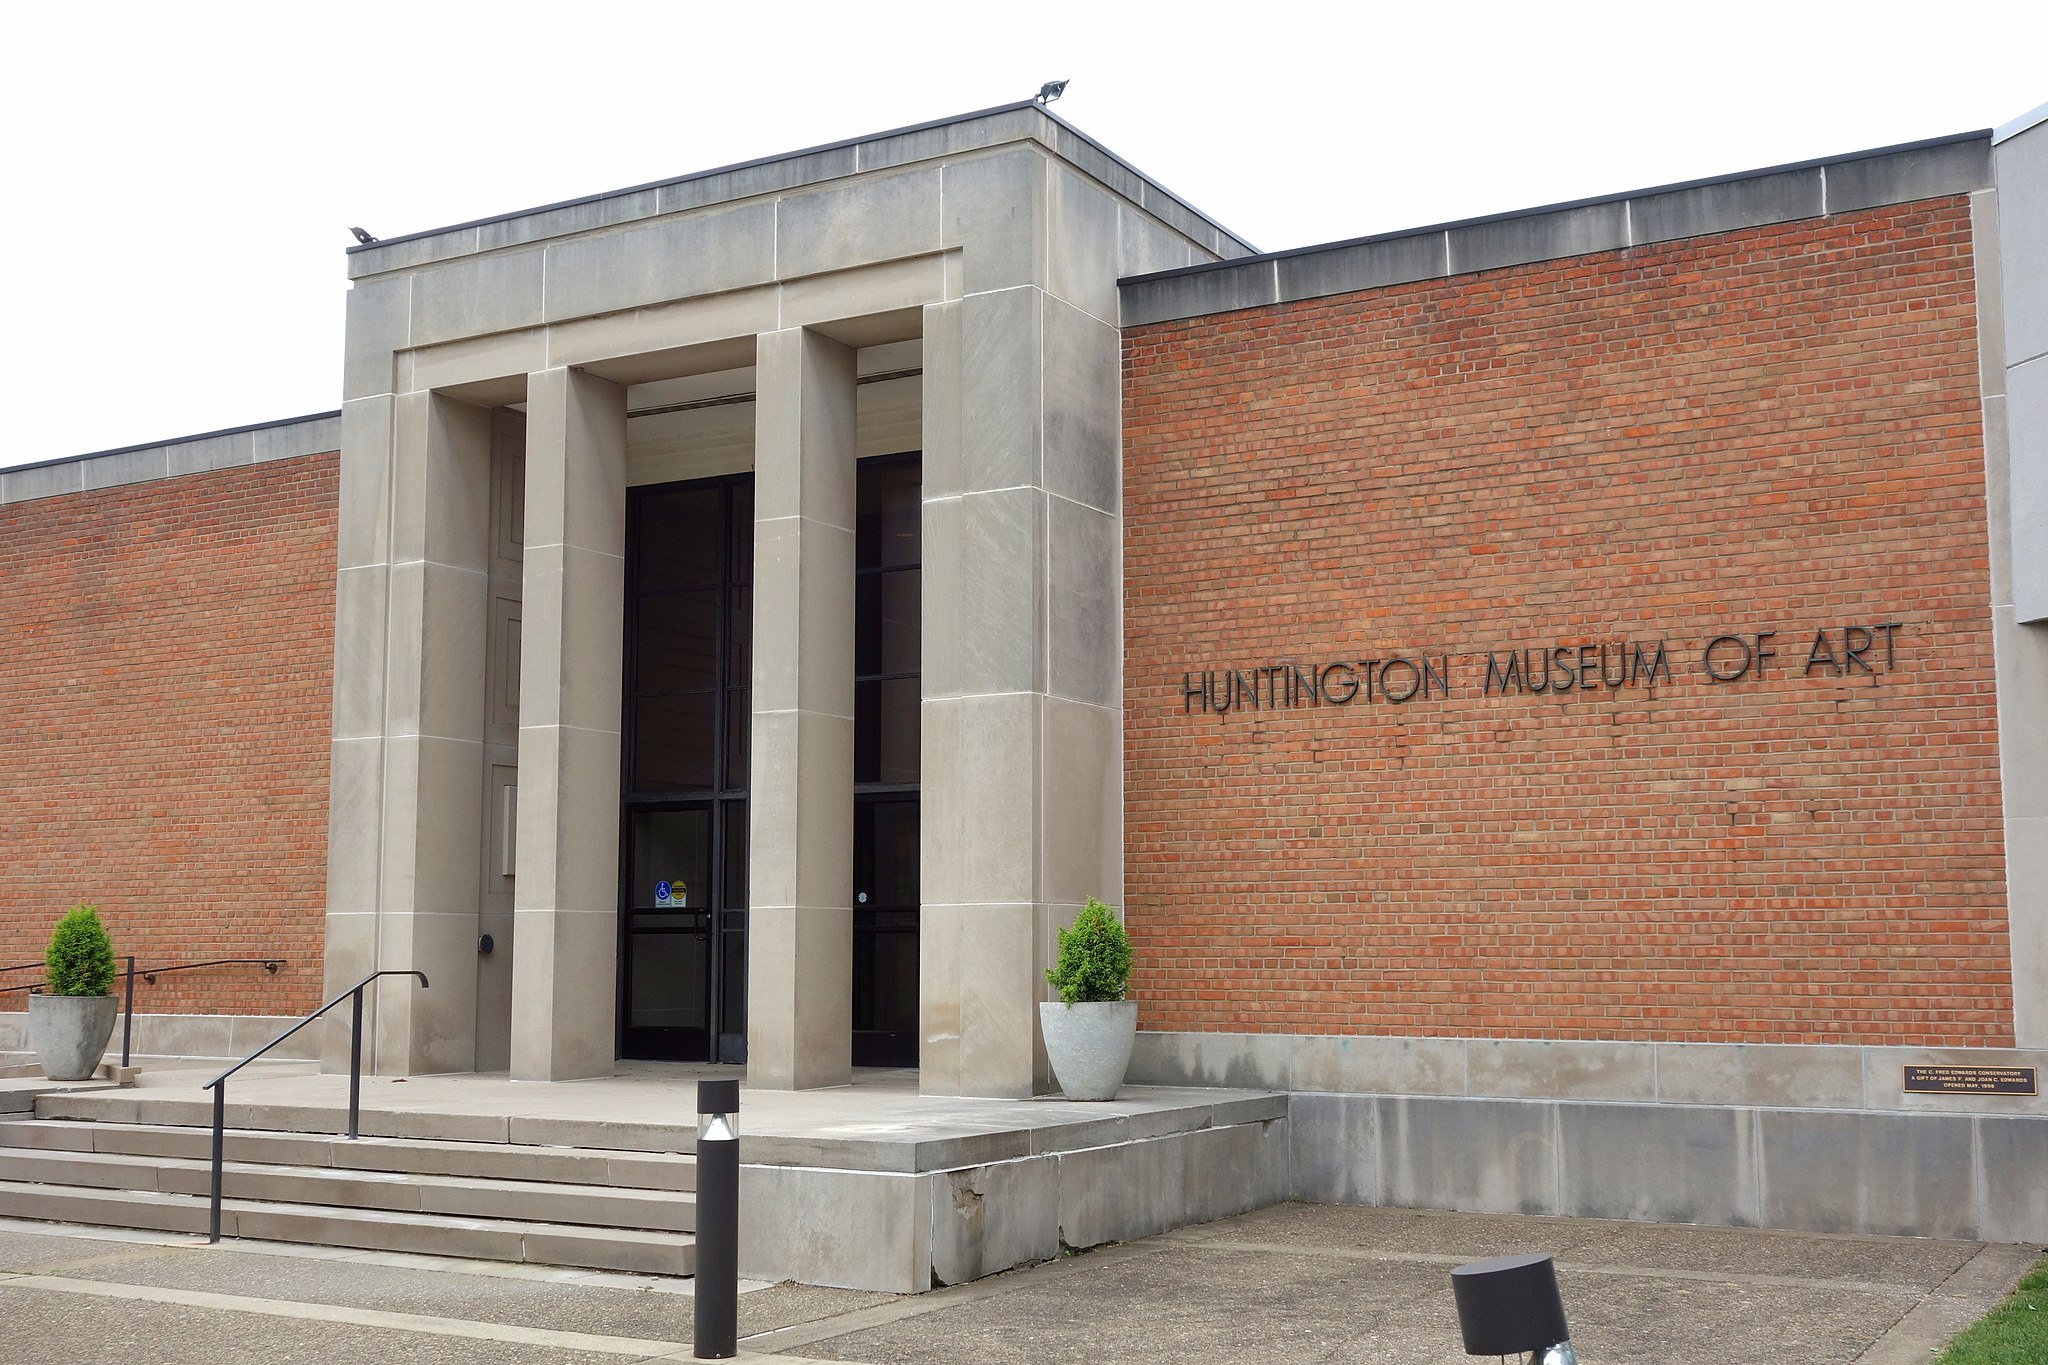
(1023, 643)
(407, 807)
(566, 887)
(800, 797)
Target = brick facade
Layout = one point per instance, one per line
(1773, 430)
(1768, 430)
(166, 653)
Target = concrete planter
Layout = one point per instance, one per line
(70, 1033)
(1089, 1045)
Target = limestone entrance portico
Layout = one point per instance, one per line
(499, 400)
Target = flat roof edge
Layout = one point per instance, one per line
(686, 178)
(2014, 127)
(230, 447)
(843, 144)
(1966, 167)
(1152, 182)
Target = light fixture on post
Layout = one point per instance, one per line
(1511, 1304)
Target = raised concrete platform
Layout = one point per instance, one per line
(868, 1186)
(19, 1092)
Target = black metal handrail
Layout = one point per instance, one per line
(268, 964)
(148, 974)
(219, 1084)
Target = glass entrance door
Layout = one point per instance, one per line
(683, 863)
(683, 889)
(885, 929)
(887, 624)
(669, 930)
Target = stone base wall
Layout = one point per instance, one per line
(1764, 1075)
(1818, 1139)
(224, 1036)
(1974, 1176)
(909, 1232)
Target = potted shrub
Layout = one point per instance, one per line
(1089, 1030)
(72, 1017)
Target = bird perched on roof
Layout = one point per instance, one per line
(362, 236)
(1051, 91)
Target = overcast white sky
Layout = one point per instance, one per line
(181, 177)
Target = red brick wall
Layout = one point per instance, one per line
(1774, 429)
(166, 656)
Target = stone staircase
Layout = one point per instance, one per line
(562, 1206)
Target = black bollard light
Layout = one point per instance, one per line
(1510, 1304)
(718, 1221)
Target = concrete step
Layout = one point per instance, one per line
(106, 1071)
(422, 1156)
(188, 1108)
(492, 1239)
(583, 1206)
(18, 1094)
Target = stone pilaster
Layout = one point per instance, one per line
(408, 724)
(1022, 716)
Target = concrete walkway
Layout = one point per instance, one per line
(1297, 1283)
(880, 1121)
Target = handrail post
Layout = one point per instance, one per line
(220, 1128)
(219, 1084)
(355, 1063)
(128, 1013)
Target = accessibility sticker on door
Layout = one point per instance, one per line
(670, 896)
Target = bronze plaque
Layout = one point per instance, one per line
(1971, 1080)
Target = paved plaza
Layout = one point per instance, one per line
(1294, 1282)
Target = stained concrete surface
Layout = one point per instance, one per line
(1192, 1302)
(1293, 1282)
(1318, 1283)
(564, 1304)
(46, 1324)
(878, 1122)
(1914, 1262)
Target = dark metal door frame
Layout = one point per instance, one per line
(723, 798)
(726, 797)
(879, 1047)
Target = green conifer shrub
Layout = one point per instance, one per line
(1095, 957)
(81, 960)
